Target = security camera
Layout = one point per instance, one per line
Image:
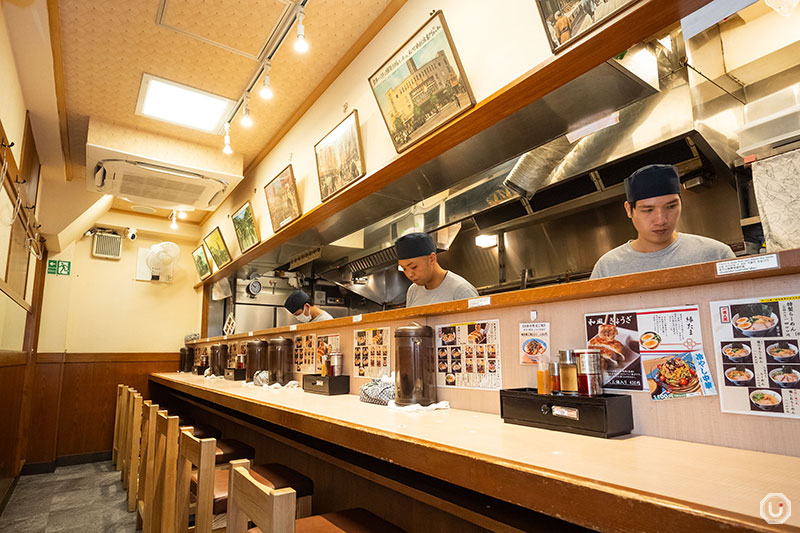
(132, 234)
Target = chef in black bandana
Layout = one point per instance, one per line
(654, 206)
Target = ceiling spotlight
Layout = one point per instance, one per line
(266, 90)
(246, 120)
(301, 45)
(182, 215)
(174, 219)
(227, 148)
(486, 241)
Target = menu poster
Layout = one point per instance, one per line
(326, 344)
(659, 350)
(372, 356)
(468, 355)
(757, 341)
(534, 342)
(305, 353)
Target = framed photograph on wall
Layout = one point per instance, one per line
(283, 201)
(244, 223)
(340, 157)
(421, 86)
(217, 248)
(566, 21)
(201, 262)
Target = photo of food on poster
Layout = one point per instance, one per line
(468, 355)
(372, 355)
(757, 345)
(534, 342)
(326, 344)
(659, 350)
(305, 353)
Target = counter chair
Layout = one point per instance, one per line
(146, 485)
(132, 448)
(209, 485)
(162, 514)
(125, 437)
(273, 510)
(123, 408)
(117, 423)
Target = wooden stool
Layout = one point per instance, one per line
(117, 424)
(273, 510)
(146, 485)
(210, 485)
(132, 446)
(125, 437)
(162, 515)
(123, 409)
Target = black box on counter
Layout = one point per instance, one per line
(200, 370)
(609, 415)
(329, 385)
(235, 374)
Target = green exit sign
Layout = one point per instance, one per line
(59, 268)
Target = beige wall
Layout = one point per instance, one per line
(12, 106)
(100, 307)
(495, 48)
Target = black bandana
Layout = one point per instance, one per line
(652, 180)
(296, 301)
(414, 245)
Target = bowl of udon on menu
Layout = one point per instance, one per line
(765, 399)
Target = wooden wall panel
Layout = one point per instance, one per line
(11, 382)
(88, 401)
(45, 413)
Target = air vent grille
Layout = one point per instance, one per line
(167, 190)
(107, 246)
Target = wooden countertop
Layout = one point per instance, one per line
(629, 483)
(669, 278)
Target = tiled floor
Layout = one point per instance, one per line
(78, 499)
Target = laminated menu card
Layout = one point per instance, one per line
(305, 353)
(372, 356)
(660, 350)
(756, 342)
(468, 355)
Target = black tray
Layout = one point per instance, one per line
(329, 385)
(235, 374)
(609, 415)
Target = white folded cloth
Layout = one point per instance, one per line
(414, 407)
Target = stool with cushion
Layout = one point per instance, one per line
(273, 510)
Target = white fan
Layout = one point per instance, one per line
(161, 260)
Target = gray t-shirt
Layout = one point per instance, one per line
(323, 315)
(454, 287)
(687, 249)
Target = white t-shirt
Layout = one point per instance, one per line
(323, 315)
(453, 287)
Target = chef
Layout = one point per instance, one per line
(654, 206)
(416, 255)
(299, 304)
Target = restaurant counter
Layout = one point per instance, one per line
(629, 483)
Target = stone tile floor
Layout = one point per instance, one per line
(84, 498)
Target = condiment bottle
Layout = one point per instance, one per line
(555, 379)
(569, 372)
(590, 378)
(543, 382)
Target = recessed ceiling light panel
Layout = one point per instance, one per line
(183, 105)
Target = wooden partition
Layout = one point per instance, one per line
(74, 401)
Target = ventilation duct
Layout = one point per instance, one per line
(107, 245)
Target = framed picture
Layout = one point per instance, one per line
(565, 21)
(245, 226)
(217, 248)
(282, 199)
(340, 157)
(201, 262)
(421, 86)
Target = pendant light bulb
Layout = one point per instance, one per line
(174, 219)
(227, 148)
(246, 120)
(266, 90)
(301, 45)
(182, 215)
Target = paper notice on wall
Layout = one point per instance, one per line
(372, 356)
(468, 355)
(534, 342)
(757, 349)
(305, 353)
(660, 350)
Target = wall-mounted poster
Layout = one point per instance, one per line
(422, 86)
(340, 157)
(201, 262)
(468, 355)
(372, 355)
(245, 226)
(282, 199)
(305, 353)
(565, 21)
(217, 248)
(757, 341)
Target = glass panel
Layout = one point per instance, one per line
(12, 324)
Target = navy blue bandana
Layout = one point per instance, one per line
(652, 180)
(414, 245)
